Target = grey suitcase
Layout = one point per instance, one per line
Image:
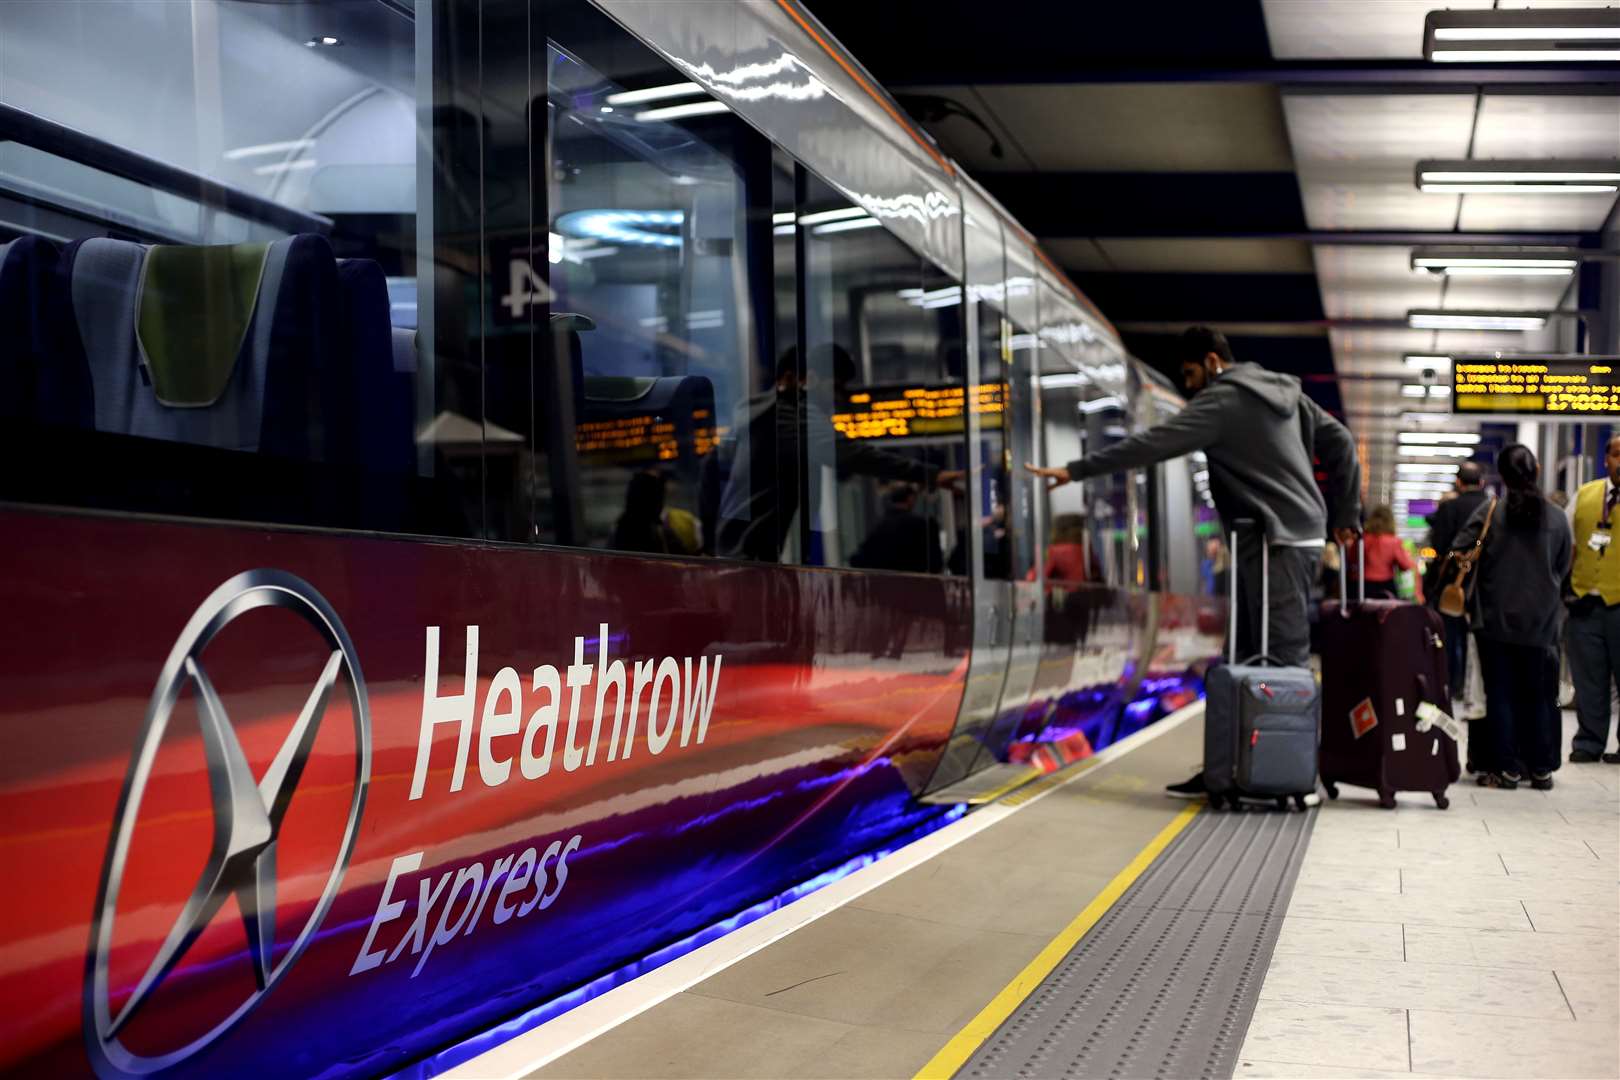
(1260, 720)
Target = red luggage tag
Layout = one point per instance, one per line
(1363, 718)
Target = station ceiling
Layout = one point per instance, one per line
(1250, 164)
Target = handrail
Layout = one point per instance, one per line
(30, 129)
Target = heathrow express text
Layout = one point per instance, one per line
(679, 693)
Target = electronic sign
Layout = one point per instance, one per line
(1532, 384)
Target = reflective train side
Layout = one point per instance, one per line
(462, 523)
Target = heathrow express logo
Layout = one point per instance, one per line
(247, 815)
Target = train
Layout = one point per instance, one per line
(498, 491)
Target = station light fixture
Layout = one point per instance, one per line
(1419, 390)
(655, 93)
(1560, 35)
(1431, 438)
(1427, 362)
(1444, 319)
(682, 112)
(1425, 451)
(1595, 177)
(1407, 468)
(1496, 262)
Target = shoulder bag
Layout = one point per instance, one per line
(1454, 597)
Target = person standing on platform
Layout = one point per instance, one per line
(1521, 565)
(1260, 432)
(1385, 554)
(1594, 611)
(1449, 518)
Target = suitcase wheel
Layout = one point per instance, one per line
(1386, 799)
(1441, 801)
(1299, 803)
(1332, 790)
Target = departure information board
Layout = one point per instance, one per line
(1536, 385)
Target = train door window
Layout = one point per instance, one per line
(991, 500)
(254, 307)
(1023, 407)
(883, 392)
(665, 274)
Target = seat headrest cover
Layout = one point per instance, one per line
(192, 315)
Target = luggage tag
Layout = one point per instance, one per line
(1430, 716)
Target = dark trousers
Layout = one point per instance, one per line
(1594, 666)
(1292, 572)
(1520, 731)
(1456, 655)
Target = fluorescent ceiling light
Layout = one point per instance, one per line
(1462, 438)
(655, 93)
(1519, 177)
(847, 226)
(275, 167)
(1414, 467)
(287, 147)
(1518, 36)
(1424, 363)
(1059, 382)
(1414, 450)
(1102, 404)
(1431, 319)
(682, 112)
(786, 217)
(843, 213)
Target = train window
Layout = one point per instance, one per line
(883, 392)
(665, 276)
(242, 310)
(987, 284)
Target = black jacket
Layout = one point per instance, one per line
(1519, 593)
(1445, 523)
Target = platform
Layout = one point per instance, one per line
(1096, 928)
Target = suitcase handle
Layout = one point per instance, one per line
(1361, 575)
(1265, 597)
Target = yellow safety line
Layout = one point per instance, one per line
(1031, 774)
(962, 1045)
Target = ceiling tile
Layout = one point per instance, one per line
(1351, 29)
(1076, 254)
(1144, 127)
(1548, 126)
(1207, 256)
(1506, 294)
(1582, 213)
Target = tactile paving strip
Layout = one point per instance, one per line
(1165, 983)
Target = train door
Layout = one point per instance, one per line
(984, 541)
(1026, 526)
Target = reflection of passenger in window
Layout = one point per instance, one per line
(757, 469)
(646, 525)
(903, 539)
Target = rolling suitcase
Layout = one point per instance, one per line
(1260, 719)
(1386, 698)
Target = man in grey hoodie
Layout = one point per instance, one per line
(1260, 433)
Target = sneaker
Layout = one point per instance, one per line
(1188, 789)
(1541, 781)
(1505, 781)
(1585, 757)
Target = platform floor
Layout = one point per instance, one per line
(1483, 941)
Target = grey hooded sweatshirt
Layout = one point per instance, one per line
(1259, 432)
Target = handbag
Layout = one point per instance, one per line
(1454, 597)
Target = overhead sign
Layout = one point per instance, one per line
(1536, 385)
(903, 411)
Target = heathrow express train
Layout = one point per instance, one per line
(495, 492)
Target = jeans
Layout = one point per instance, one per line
(1594, 664)
(1457, 655)
(1293, 569)
(1519, 733)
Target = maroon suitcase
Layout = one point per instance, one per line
(1381, 661)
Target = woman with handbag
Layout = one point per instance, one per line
(1517, 551)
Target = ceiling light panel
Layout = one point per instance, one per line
(1559, 35)
(1509, 176)
(1350, 29)
(1461, 319)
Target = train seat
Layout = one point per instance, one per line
(43, 375)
